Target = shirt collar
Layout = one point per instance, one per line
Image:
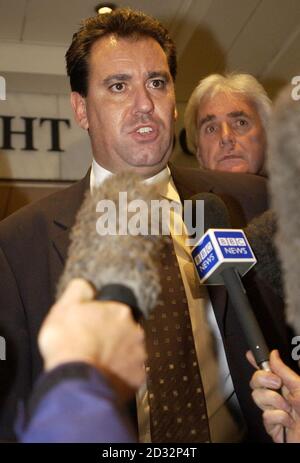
(163, 179)
(98, 175)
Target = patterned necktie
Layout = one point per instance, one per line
(176, 398)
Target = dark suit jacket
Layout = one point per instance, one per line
(33, 249)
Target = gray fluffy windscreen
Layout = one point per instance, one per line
(116, 259)
(284, 170)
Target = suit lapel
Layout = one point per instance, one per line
(190, 181)
(65, 216)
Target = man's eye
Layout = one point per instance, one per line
(157, 83)
(210, 129)
(241, 123)
(118, 87)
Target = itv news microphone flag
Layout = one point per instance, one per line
(219, 249)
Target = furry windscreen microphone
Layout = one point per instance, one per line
(121, 263)
(284, 170)
(261, 236)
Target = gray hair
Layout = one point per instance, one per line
(244, 84)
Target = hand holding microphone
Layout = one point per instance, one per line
(102, 334)
(94, 357)
(277, 394)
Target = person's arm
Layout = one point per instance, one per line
(74, 403)
(94, 357)
(279, 410)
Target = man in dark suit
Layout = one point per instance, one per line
(122, 68)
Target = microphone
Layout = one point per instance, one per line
(260, 233)
(109, 252)
(112, 253)
(214, 214)
(284, 169)
(221, 256)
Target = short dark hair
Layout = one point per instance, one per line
(122, 22)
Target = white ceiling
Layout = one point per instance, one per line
(257, 36)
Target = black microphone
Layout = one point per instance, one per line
(261, 232)
(213, 213)
(107, 250)
(223, 255)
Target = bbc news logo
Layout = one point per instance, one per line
(232, 242)
(2, 348)
(203, 253)
(2, 88)
(296, 90)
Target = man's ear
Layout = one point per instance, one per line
(79, 107)
(175, 114)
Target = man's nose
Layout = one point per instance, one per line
(227, 135)
(143, 102)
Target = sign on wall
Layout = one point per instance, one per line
(39, 138)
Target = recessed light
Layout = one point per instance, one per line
(103, 8)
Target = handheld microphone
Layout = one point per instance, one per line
(222, 256)
(108, 252)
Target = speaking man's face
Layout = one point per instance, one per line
(230, 135)
(130, 106)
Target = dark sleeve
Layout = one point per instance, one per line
(73, 403)
(15, 368)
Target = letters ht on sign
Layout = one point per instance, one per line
(30, 127)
